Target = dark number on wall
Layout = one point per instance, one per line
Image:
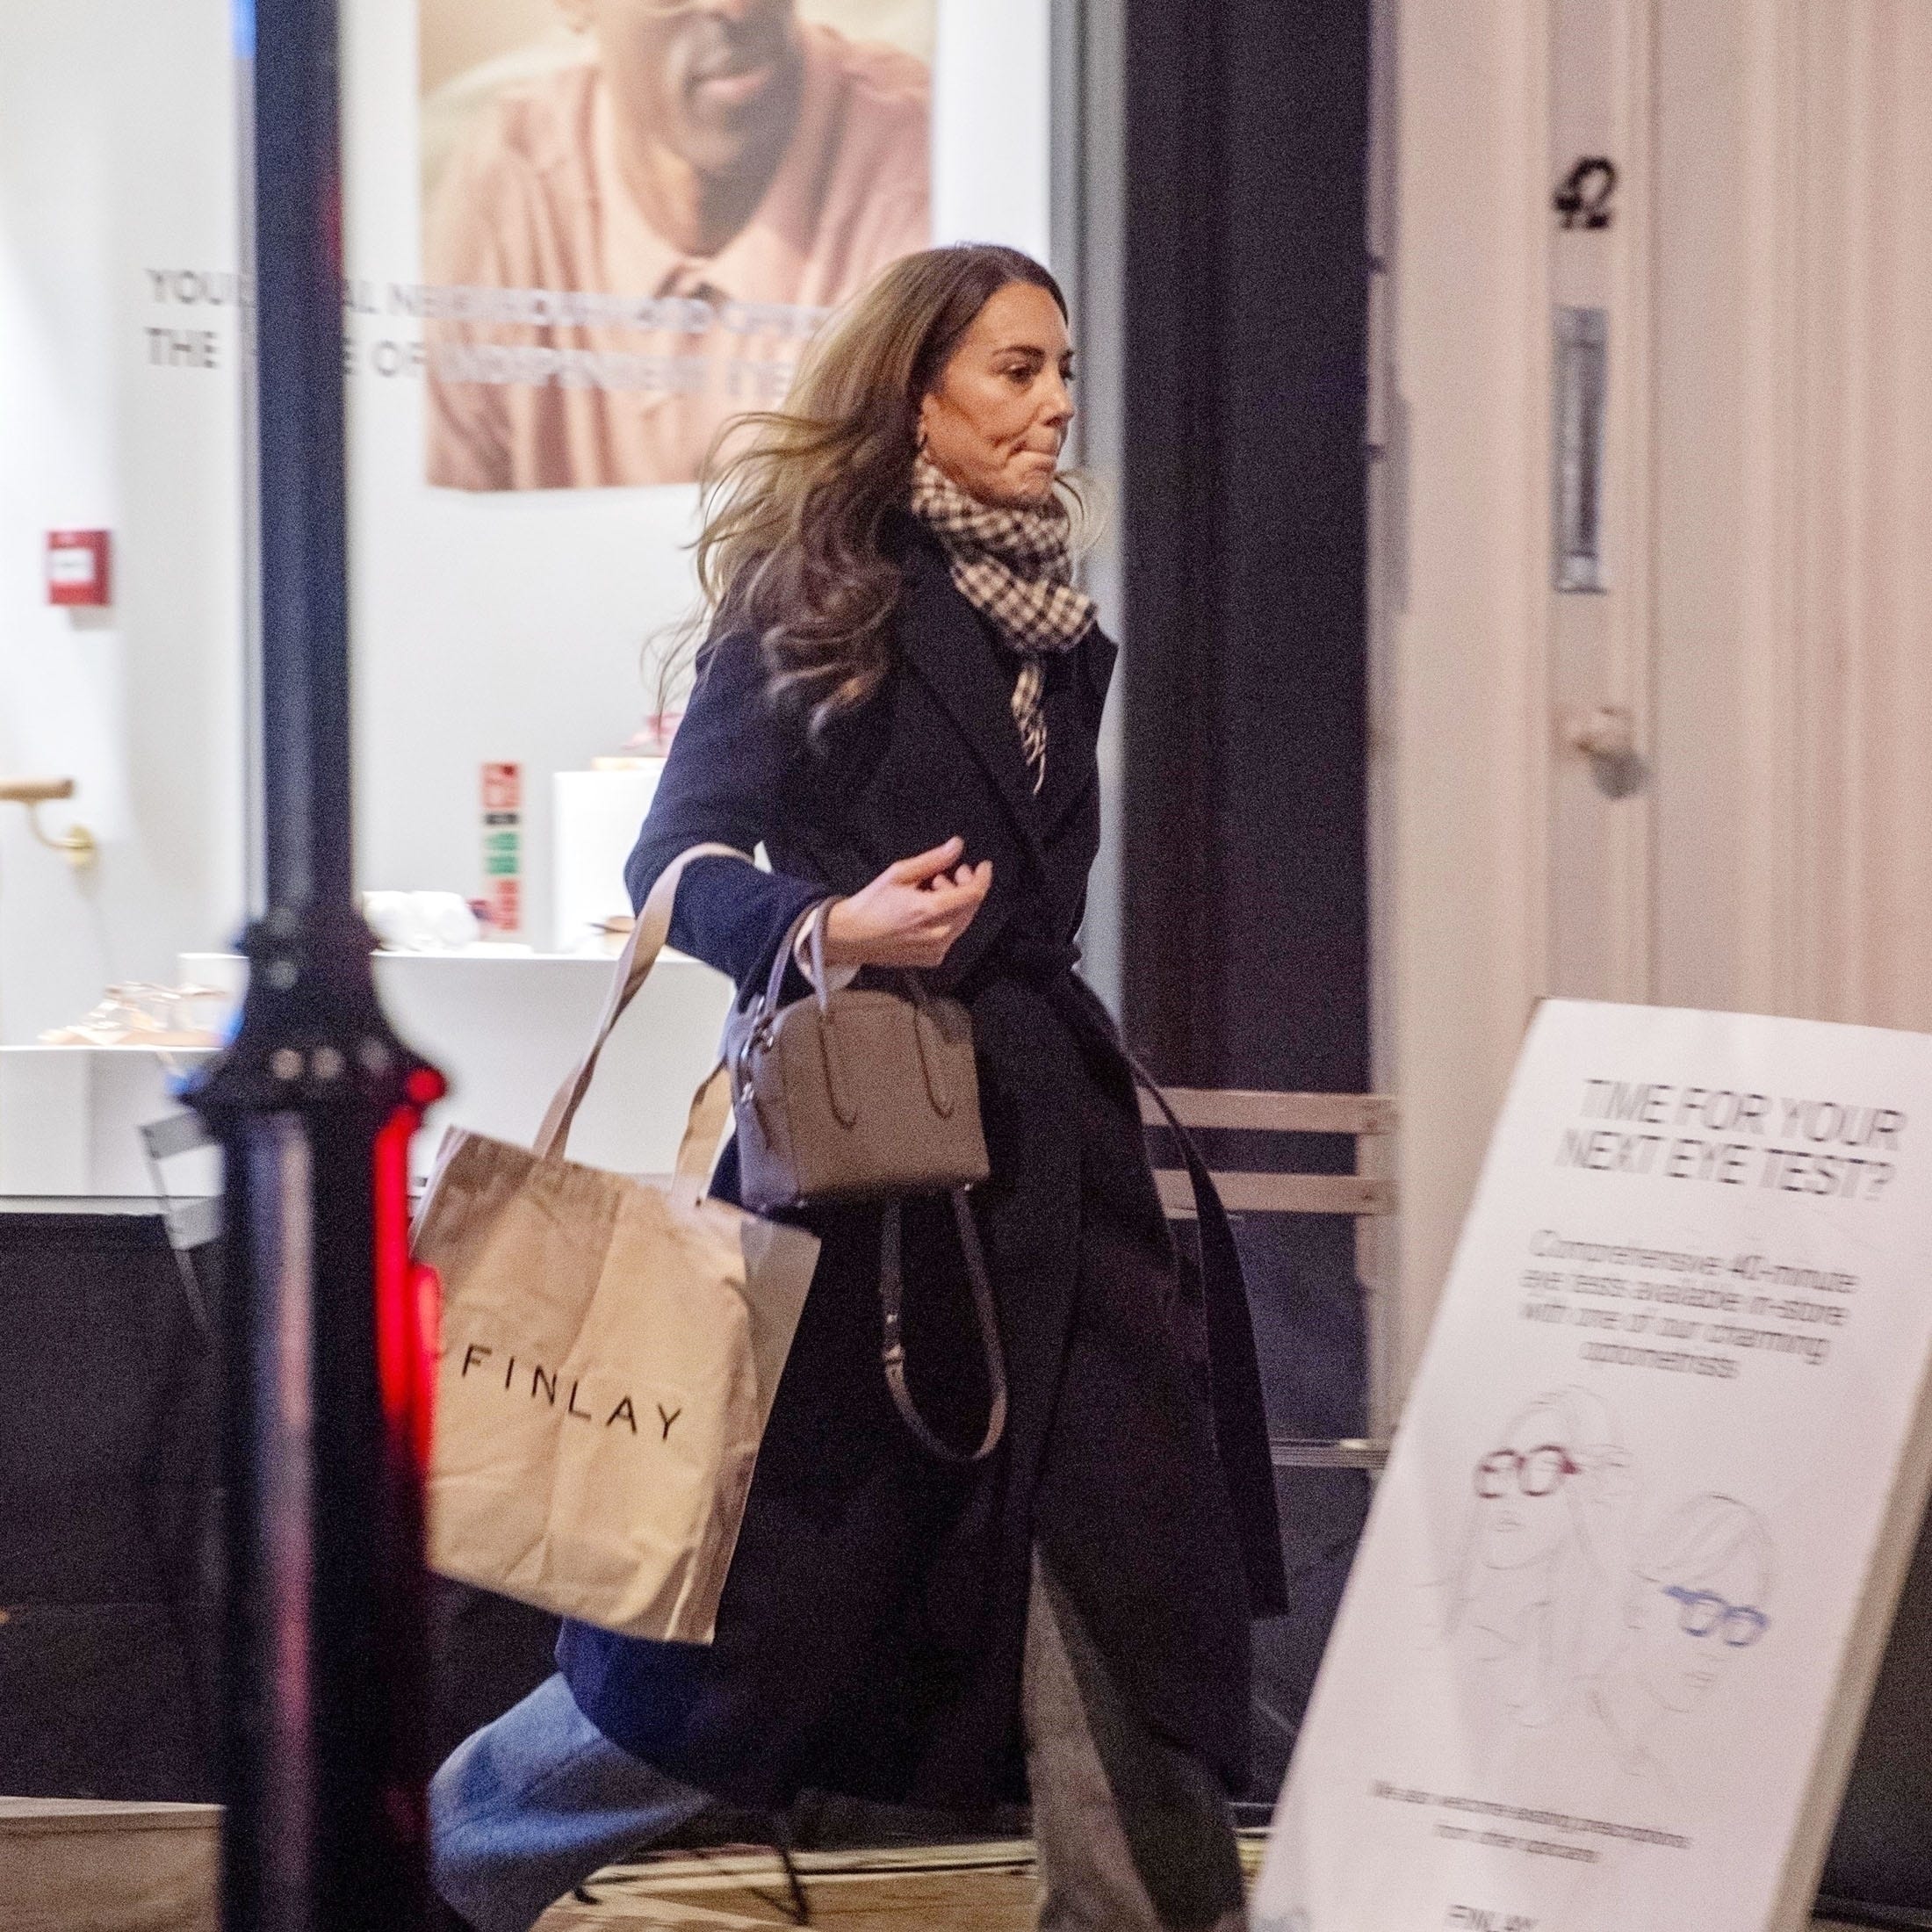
(1584, 197)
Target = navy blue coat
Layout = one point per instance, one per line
(870, 1636)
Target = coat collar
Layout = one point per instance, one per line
(941, 635)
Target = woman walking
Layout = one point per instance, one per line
(899, 697)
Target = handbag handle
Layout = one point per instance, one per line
(892, 1349)
(812, 919)
(923, 1027)
(811, 923)
(639, 955)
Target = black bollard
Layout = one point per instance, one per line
(328, 1365)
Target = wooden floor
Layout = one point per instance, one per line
(960, 1888)
(66, 1864)
(986, 1887)
(966, 1888)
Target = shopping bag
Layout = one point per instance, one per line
(610, 1348)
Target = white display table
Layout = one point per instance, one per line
(505, 1028)
(71, 1120)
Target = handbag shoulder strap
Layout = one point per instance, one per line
(639, 955)
(892, 1349)
(1234, 1369)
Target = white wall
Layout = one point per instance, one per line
(991, 140)
(116, 156)
(1460, 518)
(1794, 339)
(1769, 473)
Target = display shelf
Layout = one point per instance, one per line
(505, 1028)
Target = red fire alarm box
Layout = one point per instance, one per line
(77, 567)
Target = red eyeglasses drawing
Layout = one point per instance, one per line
(1535, 1472)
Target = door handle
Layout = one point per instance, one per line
(1607, 736)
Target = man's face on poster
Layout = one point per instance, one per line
(713, 81)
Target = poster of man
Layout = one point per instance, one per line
(637, 212)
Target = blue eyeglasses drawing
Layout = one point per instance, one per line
(1704, 1613)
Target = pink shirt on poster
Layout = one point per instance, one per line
(629, 384)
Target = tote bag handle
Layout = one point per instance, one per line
(712, 1101)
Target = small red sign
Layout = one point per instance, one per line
(502, 788)
(76, 567)
(503, 904)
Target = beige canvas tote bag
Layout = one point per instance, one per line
(610, 1348)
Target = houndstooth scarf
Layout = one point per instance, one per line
(1015, 566)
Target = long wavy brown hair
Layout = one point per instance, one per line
(795, 499)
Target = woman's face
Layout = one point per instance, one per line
(1689, 1633)
(1528, 1518)
(997, 418)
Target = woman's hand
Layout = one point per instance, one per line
(910, 914)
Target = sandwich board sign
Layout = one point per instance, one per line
(1605, 1649)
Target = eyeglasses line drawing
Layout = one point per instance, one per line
(1704, 1613)
(1538, 1472)
(1543, 1470)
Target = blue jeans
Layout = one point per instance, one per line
(1133, 1835)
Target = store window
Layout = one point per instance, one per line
(540, 337)
(543, 324)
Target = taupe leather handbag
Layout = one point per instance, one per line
(854, 1095)
(865, 1093)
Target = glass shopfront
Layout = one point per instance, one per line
(541, 331)
(539, 340)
